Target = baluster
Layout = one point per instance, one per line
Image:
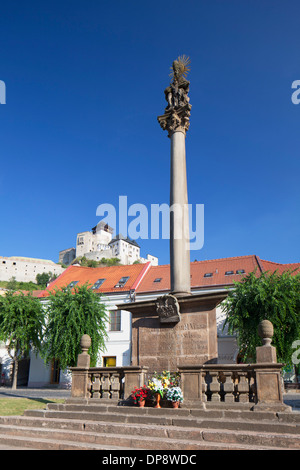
(89, 386)
(203, 386)
(115, 385)
(105, 383)
(95, 389)
(228, 387)
(215, 387)
(243, 388)
(252, 386)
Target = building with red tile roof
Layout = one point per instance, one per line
(145, 279)
(211, 274)
(108, 279)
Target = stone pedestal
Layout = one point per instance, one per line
(160, 345)
(80, 373)
(268, 379)
(134, 377)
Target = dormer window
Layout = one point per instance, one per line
(98, 284)
(72, 284)
(158, 279)
(228, 273)
(208, 275)
(122, 281)
(240, 271)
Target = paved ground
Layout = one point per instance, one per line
(25, 392)
(293, 400)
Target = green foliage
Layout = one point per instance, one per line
(70, 314)
(273, 297)
(12, 284)
(43, 278)
(110, 261)
(15, 285)
(90, 263)
(21, 323)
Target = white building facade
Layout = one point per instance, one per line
(26, 269)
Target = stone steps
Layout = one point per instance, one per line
(89, 426)
(199, 418)
(55, 438)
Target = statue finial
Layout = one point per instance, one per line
(180, 67)
(177, 112)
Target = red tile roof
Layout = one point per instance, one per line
(271, 266)
(215, 269)
(204, 274)
(111, 274)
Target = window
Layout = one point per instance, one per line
(114, 320)
(109, 361)
(208, 275)
(240, 271)
(158, 279)
(98, 284)
(228, 273)
(122, 281)
(72, 284)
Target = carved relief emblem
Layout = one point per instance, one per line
(167, 308)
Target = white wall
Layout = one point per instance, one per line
(118, 343)
(26, 269)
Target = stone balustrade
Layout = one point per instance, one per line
(258, 383)
(231, 383)
(110, 383)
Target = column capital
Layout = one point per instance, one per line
(176, 119)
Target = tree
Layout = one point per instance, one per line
(43, 278)
(12, 284)
(70, 314)
(274, 297)
(110, 261)
(21, 326)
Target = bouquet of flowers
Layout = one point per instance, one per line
(174, 394)
(156, 386)
(141, 393)
(160, 383)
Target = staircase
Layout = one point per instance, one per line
(78, 425)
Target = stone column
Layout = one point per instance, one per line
(179, 218)
(176, 122)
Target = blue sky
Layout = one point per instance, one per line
(85, 83)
